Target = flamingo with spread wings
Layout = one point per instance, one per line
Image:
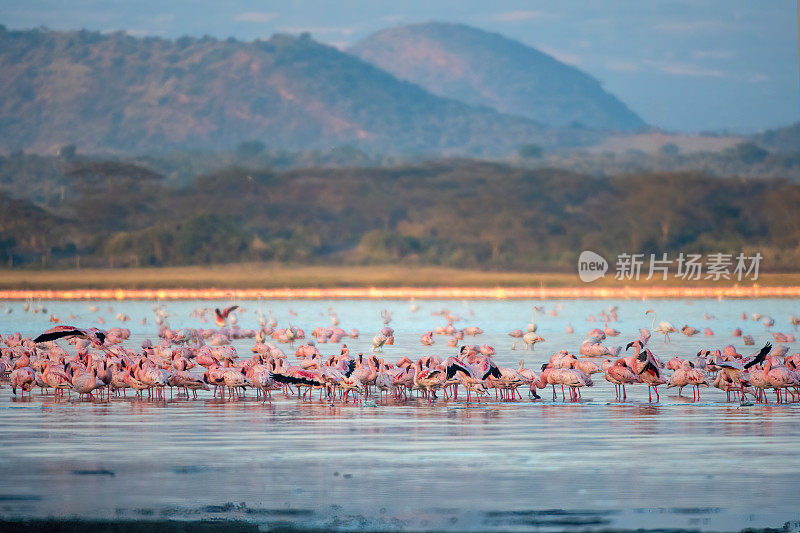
(222, 315)
(93, 335)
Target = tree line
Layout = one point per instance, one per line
(461, 213)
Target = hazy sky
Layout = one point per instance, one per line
(682, 65)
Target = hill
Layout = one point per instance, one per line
(454, 213)
(785, 139)
(482, 68)
(121, 93)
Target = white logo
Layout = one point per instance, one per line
(591, 266)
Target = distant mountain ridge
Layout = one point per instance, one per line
(118, 92)
(482, 68)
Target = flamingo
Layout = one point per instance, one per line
(733, 376)
(383, 381)
(782, 337)
(187, 381)
(93, 335)
(22, 378)
(759, 382)
(650, 373)
(598, 334)
(426, 380)
(696, 378)
(592, 347)
(569, 377)
(689, 331)
(55, 377)
(779, 376)
(665, 328)
(679, 377)
(377, 343)
(530, 339)
(528, 377)
(469, 375)
(223, 315)
(620, 374)
(86, 382)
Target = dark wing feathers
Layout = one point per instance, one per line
(223, 314)
(493, 371)
(291, 380)
(45, 337)
(649, 366)
(758, 359)
(455, 367)
(59, 332)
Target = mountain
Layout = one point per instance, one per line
(482, 68)
(122, 93)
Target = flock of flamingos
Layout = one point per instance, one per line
(94, 362)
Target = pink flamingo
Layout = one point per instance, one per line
(650, 373)
(780, 377)
(22, 378)
(620, 374)
(427, 338)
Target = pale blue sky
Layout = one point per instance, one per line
(682, 65)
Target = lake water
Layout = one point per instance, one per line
(526, 465)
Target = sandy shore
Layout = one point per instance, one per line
(270, 281)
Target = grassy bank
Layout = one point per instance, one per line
(241, 276)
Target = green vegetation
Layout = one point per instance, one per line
(450, 213)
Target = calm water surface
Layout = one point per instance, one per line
(526, 465)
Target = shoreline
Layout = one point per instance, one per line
(272, 281)
(409, 293)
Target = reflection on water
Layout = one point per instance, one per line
(489, 467)
(523, 465)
